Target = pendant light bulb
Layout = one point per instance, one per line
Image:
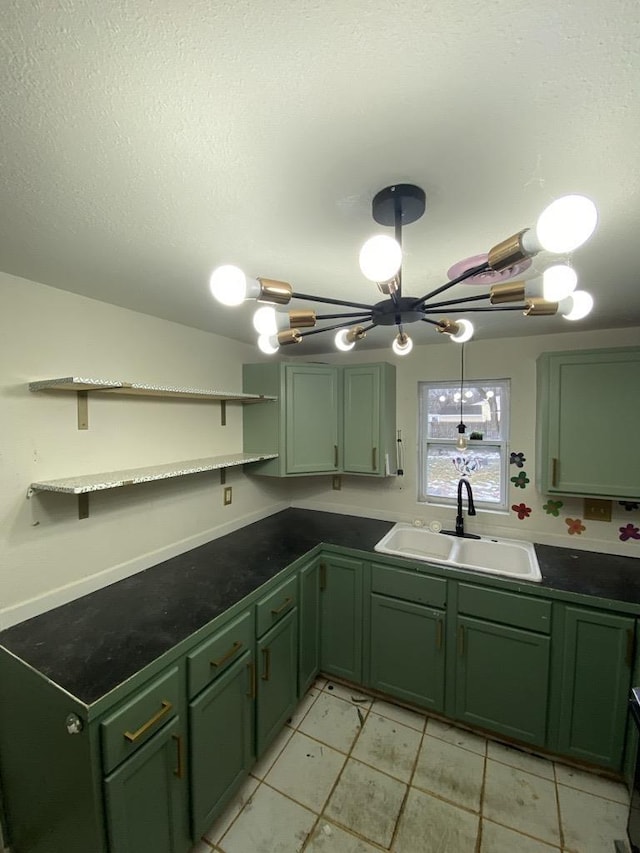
(228, 284)
(402, 344)
(465, 332)
(576, 306)
(341, 340)
(380, 258)
(558, 282)
(462, 442)
(268, 344)
(566, 223)
(264, 321)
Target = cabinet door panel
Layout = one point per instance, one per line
(309, 658)
(312, 413)
(145, 798)
(278, 678)
(221, 729)
(595, 685)
(407, 651)
(341, 619)
(502, 679)
(362, 448)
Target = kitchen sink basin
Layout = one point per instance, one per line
(509, 557)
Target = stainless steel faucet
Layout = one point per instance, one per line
(471, 510)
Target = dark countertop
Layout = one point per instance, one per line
(96, 642)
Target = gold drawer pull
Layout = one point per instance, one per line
(133, 736)
(179, 771)
(232, 651)
(288, 600)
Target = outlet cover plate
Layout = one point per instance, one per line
(227, 496)
(597, 509)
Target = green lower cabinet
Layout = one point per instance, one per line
(146, 797)
(309, 627)
(221, 741)
(277, 682)
(407, 657)
(502, 679)
(341, 618)
(596, 679)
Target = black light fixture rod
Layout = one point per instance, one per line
(468, 274)
(429, 310)
(459, 301)
(328, 301)
(432, 322)
(339, 316)
(397, 214)
(324, 329)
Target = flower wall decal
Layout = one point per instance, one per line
(553, 507)
(575, 525)
(629, 505)
(521, 510)
(517, 459)
(629, 531)
(521, 480)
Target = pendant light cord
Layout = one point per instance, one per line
(461, 378)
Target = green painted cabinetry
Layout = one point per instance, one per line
(369, 392)
(341, 617)
(309, 626)
(277, 682)
(588, 410)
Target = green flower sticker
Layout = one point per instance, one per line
(552, 508)
(521, 480)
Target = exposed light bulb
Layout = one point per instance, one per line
(228, 284)
(264, 321)
(566, 223)
(465, 332)
(402, 344)
(380, 258)
(268, 344)
(468, 394)
(341, 341)
(576, 306)
(462, 442)
(557, 282)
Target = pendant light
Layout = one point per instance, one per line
(462, 442)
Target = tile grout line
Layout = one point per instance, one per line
(558, 812)
(400, 814)
(482, 793)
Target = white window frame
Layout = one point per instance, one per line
(501, 444)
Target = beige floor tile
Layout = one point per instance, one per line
(499, 839)
(450, 772)
(201, 847)
(456, 736)
(329, 838)
(332, 721)
(401, 715)
(429, 825)
(222, 824)
(303, 706)
(263, 765)
(349, 694)
(306, 771)
(521, 801)
(367, 802)
(388, 746)
(520, 759)
(592, 784)
(270, 823)
(590, 824)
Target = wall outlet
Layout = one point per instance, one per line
(336, 483)
(597, 509)
(227, 496)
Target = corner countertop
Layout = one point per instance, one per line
(91, 645)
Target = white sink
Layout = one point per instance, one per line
(509, 557)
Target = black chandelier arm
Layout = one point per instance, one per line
(487, 308)
(359, 314)
(459, 301)
(309, 297)
(468, 274)
(309, 332)
(431, 322)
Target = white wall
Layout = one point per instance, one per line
(48, 556)
(512, 358)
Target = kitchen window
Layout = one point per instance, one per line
(485, 412)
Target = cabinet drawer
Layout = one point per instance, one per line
(506, 607)
(409, 586)
(216, 654)
(140, 718)
(273, 606)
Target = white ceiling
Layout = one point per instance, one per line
(144, 142)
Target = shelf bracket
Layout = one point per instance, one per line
(83, 409)
(223, 412)
(83, 505)
(223, 476)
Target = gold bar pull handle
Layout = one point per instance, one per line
(235, 648)
(629, 654)
(133, 736)
(288, 600)
(460, 640)
(323, 576)
(266, 655)
(554, 472)
(439, 634)
(252, 680)
(374, 458)
(179, 771)
(335, 455)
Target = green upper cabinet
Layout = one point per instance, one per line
(588, 408)
(327, 419)
(369, 418)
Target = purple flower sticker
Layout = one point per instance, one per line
(517, 459)
(629, 505)
(552, 508)
(521, 480)
(629, 531)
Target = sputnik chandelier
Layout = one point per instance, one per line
(562, 227)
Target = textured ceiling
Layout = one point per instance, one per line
(144, 143)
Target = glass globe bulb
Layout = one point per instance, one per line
(558, 282)
(566, 223)
(341, 341)
(465, 333)
(264, 321)
(268, 344)
(402, 344)
(380, 258)
(577, 305)
(462, 442)
(228, 284)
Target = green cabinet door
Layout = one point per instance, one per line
(502, 679)
(312, 416)
(145, 797)
(277, 682)
(368, 418)
(309, 627)
(341, 618)
(596, 678)
(587, 410)
(221, 741)
(407, 651)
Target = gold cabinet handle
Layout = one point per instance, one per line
(335, 455)
(252, 680)
(179, 771)
(439, 634)
(266, 675)
(133, 736)
(323, 576)
(225, 657)
(554, 472)
(460, 640)
(288, 600)
(374, 458)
